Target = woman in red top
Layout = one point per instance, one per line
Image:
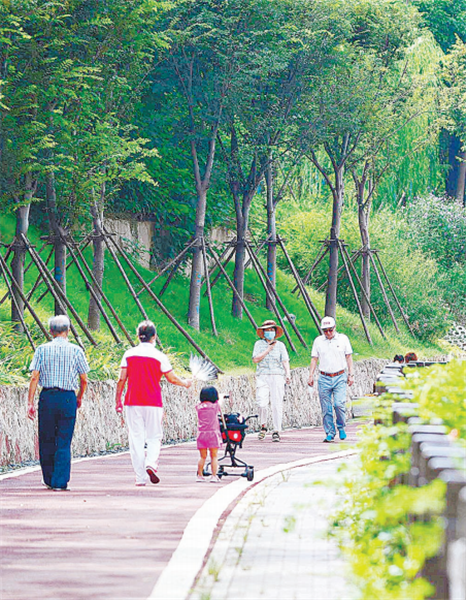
(208, 431)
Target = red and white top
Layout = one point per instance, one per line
(145, 365)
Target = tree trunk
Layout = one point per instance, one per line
(238, 277)
(98, 264)
(331, 297)
(363, 219)
(272, 233)
(197, 266)
(58, 235)
(453, 151)
(17, 263)
(461, 183)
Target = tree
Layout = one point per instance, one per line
(372, 37)
(446, 19)
(454, 108)
(260, 114)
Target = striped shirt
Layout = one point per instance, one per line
(59, 364)
(272, 364)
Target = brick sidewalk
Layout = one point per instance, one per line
(107, 539)
(273, 545)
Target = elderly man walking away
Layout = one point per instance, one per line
(334, 353)
(142, 367)
(273, 369)
(56, 367)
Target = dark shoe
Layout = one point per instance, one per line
(275, 436)
(342, 434)
(154, 478)
(329, 439)
(262, 433)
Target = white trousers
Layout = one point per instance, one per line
(270, 387)
(144, 426)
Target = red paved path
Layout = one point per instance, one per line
(107, 539)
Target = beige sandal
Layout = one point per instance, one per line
(262, 433)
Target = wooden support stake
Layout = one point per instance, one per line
(39, 278)
(70, 263)
(59, 295)
(170, 264)
(350, 262)
(355, 294)
(209, 294)
(104, 297)
(261, 245)
(352, 259)
(93, 293)
(269, 290)
(384, 293)
(123, 274)
(26, 302)
(231, 251)
(394, 294)
(170, 277)
(13, 299)
(165, 311)
(307, 301)
(320, 256)
(232, 286)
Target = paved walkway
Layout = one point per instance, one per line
(107, 539)
(273, 545)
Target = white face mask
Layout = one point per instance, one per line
(269, 335)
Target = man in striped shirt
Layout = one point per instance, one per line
(56, 367)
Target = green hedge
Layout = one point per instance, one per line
(385, 548)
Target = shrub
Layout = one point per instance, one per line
(384, 545)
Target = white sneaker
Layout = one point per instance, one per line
(215, 479)
(200, 479)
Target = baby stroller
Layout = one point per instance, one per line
(233, 430)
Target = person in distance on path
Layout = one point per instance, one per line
(56, 366)
(273, 369)
(334, 354)
(142, 368)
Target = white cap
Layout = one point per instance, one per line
(327, 323)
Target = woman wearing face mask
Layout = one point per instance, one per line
(273, 370)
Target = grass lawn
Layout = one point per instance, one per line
(231, 350)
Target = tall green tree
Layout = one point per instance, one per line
(446, 19)
(341, 113)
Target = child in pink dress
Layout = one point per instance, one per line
(208, 431)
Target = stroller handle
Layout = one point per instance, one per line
(251, 417)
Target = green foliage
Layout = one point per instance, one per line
(440, 391)
(454, 95)
(410, 270)
(387, 530)
(437, 227)
(386, 548)
(231, 350)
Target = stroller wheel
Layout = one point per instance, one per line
(250, 474)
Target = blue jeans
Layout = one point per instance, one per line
(57, 416)
(332, 395)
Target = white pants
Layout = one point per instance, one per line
(144, 426)
(270, 387)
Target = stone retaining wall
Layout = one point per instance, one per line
(99, 429)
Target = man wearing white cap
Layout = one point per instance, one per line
(333, 352)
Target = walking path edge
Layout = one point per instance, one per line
(186, 563)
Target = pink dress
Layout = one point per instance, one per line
(208, 427)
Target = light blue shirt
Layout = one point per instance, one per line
(59, 364)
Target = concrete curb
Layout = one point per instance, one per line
(177, 578)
